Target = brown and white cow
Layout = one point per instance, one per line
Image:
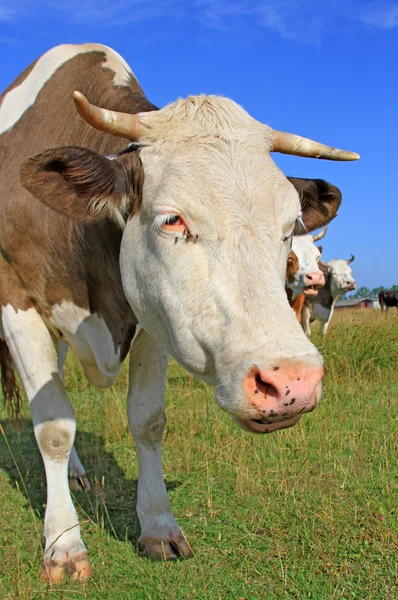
(303, 275)
(180, 239)
(338, 281)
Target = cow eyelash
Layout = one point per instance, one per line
(174, 224)
(172, 219)
(287, 237)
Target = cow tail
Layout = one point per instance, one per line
(9, 383)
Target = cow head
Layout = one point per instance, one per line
(208, 223)
(340, 274)
(303, 275)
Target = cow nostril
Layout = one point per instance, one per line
(265, 388)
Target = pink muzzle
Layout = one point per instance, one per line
(277, 398)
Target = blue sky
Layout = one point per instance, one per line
(323, 69)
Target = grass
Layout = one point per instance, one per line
(310, 512)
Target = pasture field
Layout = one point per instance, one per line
(310, 512)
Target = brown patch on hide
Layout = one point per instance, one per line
(9, 384)
(55, 440)
(292, 266)
(297, 306)
(11, 293)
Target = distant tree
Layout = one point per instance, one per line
(362, 292)
(375, 292)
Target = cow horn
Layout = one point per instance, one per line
(320, 235)
(109, 121)
(350, 260)
(288, 143)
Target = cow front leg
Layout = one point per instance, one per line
(161, 537)
(35, 357)
(78, 480)
(325, 324)
(306, 319)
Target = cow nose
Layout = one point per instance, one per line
(283, 392)
(315, 278)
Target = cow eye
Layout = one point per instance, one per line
(173, 220)
(288, 238)
(172, 223)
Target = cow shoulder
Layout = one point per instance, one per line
(319, 200)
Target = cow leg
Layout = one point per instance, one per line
(35, 357)
(76, 472)
(305, 322)
(77, 476)
(161, 537)
(325, 325)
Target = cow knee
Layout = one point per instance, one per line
(148, 430)
(55, 438)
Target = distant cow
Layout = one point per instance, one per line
(387, 299)
(303, 275)
(338, 281)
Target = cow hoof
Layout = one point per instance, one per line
(79, 483)
(165, 549)
(79, 568)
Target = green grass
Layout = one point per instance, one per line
(310, 512)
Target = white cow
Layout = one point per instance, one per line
(303, 275)
(338, 281)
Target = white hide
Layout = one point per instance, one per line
(20, 98)
(147, 419)
(308, 257)
(36, 360)
(91, 341)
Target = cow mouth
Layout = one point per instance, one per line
(310, 290)
(267, 425)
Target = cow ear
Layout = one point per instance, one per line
(319, 200)
(78, 182)
(320, 248)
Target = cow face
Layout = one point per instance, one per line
(303, 275)
(204, 249)
(341, 279)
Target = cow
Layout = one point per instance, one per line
(126, 229)
(338, 281)
(303, 275)
(388, 299)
